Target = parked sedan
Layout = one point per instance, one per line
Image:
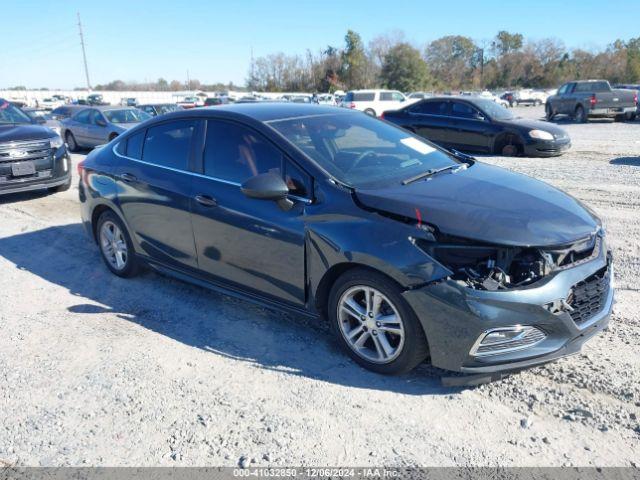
(408, 251)
(476, 124)
(95, 126)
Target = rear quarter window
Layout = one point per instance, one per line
(134, 145)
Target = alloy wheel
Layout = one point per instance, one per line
(371, 324)
(113, 245)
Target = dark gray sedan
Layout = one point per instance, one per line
(95, 126)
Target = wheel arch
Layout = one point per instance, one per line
(101, 208)
(503, 137)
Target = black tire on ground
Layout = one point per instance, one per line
(508, 145)
(630, 117)
(370, 111)
(549, 113)
(415, 348)
(132, 264)
(71, 142)
(537, 103)
(580, 115)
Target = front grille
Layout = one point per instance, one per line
(530, 338)
(21, 151)
(588, 297)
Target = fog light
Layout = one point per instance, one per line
(508, 339)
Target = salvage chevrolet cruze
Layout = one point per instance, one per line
(409, 251)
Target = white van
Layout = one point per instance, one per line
(374, 102)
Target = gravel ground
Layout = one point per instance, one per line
(97, 370)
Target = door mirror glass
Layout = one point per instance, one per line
(265, 186)
(100, 122)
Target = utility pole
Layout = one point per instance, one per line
(84, 53)
(188, 81)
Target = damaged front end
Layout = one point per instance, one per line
(484, 266)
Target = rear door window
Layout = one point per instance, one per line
(386, 96)
(362, 97)
(83, 116)
(235, 153)
(430, 108)
(169, 144)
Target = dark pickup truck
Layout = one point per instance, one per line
(592, 99)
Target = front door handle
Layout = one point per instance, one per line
(206, 200)
(127, 177)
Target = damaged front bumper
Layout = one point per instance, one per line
(565, 309)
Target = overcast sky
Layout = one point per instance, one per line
(144, 40)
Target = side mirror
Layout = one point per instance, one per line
(101, 123)
(39, 120)
(268, 186)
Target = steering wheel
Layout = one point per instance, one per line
(361, 157)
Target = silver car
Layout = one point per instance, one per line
(94, 126)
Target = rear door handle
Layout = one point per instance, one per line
(206, 200)
(127, 177)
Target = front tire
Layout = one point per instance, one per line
(370, 111)
(115, 246)
(374, 324)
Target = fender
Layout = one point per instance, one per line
(372, 240)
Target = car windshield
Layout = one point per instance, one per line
(130, 115)
(11, 114)
(494, 110)
(362, 151)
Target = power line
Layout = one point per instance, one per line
(84, 53)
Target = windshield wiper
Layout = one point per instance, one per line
(432, 172)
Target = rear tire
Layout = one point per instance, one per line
(71, 142)
(580, 115)
(116, 248)
(549, 113)
(382, 334)
(370, 111)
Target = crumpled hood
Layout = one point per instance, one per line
(488, 204)
(16, 133)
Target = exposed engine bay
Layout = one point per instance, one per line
(495, 267)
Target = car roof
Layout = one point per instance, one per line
(265, 111)
(104, 108)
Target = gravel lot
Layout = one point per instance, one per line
(103, 371)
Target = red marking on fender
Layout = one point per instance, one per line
(419, 217)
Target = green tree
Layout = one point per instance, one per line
(452, 61)
(404, 69)
(506, 42)
(632, 69)
(353, 69)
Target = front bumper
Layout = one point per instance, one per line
(547, 148)
(59, 173)
(455, 317)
